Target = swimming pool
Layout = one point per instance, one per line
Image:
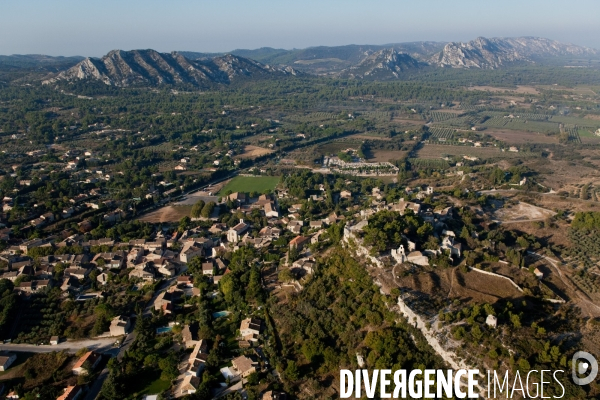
(164, 329)
(220, 314)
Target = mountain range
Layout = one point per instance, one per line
(148, 67)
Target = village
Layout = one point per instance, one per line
(175, 266)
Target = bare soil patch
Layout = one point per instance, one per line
(522, 212)
(167, 214)
(251, 151)
(387, 155)
(452, 283)
(519, 89)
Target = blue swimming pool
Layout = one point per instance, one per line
(164, 329)
(220, 314)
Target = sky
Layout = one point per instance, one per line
(92, 28)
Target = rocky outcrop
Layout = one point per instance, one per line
(496, 52)
(149, 67)
(383, 64)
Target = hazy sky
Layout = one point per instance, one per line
(92, 28)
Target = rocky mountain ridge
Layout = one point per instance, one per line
(148, 67)
(383, 64)
(497, 52)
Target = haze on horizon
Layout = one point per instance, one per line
(69, 27)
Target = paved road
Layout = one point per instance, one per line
(100, 345)
(95, 388)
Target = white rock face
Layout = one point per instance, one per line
(126, 68)
(496, 52)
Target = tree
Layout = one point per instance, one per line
(291, 371)
(285, 275)
(208, 209)
(168, 366)
(197, 208)
(293, 254)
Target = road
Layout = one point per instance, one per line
(95, 388)
(101, 345)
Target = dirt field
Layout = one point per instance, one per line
(251, 151)
(387, 155)
(517, 137)
(415, 122)
(451, 283)
(519, 89)
(563, 175)
(167, 214)
(522, 212)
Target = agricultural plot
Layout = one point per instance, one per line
(428, 163)
(441, 133)
(313, 117)
(520, 124)
(576, 121)
(379, 116)
(439, 116)
(520, 137)
(435, 151)
(460, 122)
(251, 151)
(249, 184)
(529, 116)
(587, 133)
(584, 249)
(573, 132)
(387, 155)
(332, 148)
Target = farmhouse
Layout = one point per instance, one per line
(244, 366)
(250, 328)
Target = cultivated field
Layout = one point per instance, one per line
(249, 184)
(519, 89)
(520, 137)
(387, 155)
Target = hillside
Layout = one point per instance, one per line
(497, 52)
(149, 67)
(383, 64)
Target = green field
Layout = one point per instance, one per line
(249, 184)
(156, 387)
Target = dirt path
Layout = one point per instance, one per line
(583, 299)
